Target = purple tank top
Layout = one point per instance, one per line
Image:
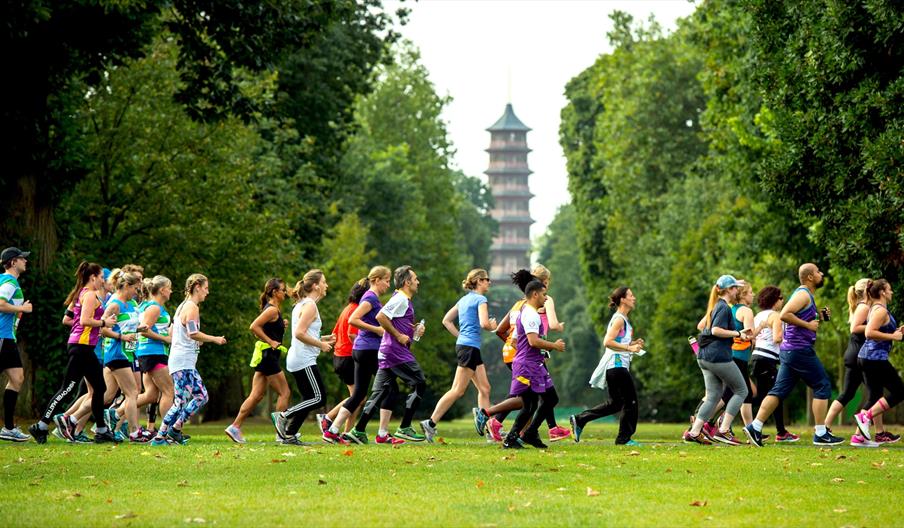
(85, 335)
(366, 339)
(879, 350)
(798, 337)
(391, 352)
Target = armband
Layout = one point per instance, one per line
(192, 326)
(70, 314)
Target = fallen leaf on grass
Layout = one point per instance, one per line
(441, 440)
(511, 507)
(109, 501)
(837, 480)
(216, 454)
(197, 520)
(88, 477)
(840, 457)
(321, 482)
(634, 453)
(592, 492)
(878, 465)
(861, 482)
(779, 507)
(348, 452)
(479, 484)
(699, 503)
(278, 460)
(182, 483)
(128, 515)
(816, 464)
(668, 470)
(561, 489)
(287, 454)
(840, 510)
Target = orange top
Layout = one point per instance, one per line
(508, 349)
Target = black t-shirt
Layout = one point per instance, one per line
(719, 350)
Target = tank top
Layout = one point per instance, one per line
(126, 324)
(152, 347)
(276, 329)
(85, 335)
(509, 349)
(765, 340)
(798, 337)
(366, 339)
(878, 350)
(855, 343)
(624, 337)
(740, 349)
(184, 350)
(302, 355)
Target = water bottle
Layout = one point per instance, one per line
(695, 347)
(420, 324)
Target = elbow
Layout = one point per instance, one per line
(872, 334)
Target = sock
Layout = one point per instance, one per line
(383, 432)
(42, 426)
(334, 429)
(101, 430)
(431, 422)
(882, 403)
(820, 430)
(757, 425)
(9, 407)
(73, 420)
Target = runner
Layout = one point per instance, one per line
(714, 360)
(190, 393)
(741, 348)
(86, 299)
(12, 306)
(365, 351)
(473, 315)
(269, 327)
(153, 348)
(799, 361)
(307, 343)
(881, 330)
(613, 372)
(550, 322)
(530, 378)
(765, 357)
(396, 361)
(343, 362)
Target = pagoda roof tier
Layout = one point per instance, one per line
(514, 220)
(507, 246)
(512, 193)
(508, 148)
(509, 122)
(508, 170)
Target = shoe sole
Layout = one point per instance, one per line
(864, 429)
(790, 441)
(726, 441)
(275, 420)
(409, 438)
(828, 443)
(352, 439)
(14, 439)
(558, 438)
(865, 446)
(475, 412)
(234, 439)
(574, 427)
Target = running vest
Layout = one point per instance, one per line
(509, 349)
(366, 339)
(798, 337)
(153, 347)
(276, 329)
(624, 337)
(85, 335)
(126, 324)
(184, 350)
(303, 355)
(11, 293)
(878, 350)
(765, 340)
(740, 349)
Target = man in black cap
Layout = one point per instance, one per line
(12, 306)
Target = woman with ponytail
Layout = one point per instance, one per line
(269, 328)
(86, 299)
(472, 312)
(190, 392)
(153, 348)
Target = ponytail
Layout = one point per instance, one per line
(306, 284)
(473, 278)
(193, 281)
(856, 293)
(270, 288)
(522, 278)
(151, 287)
(713, 299)
(83, 274)
(875, 288)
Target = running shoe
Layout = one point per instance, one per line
(886, 437)
(494, 427)
(388, 439)
(858, 441)
(82, 438)
(787, 437)
(13, 435)
(40, 435)
(512, 442)
(632, 443)
(65, 426)
(291, 440)
(235, 434)
(559, 433)
(105, 437)
(429, 431)
(698, 438)
(57, 433)
(709, 431)
(409, 434)
(119, 437)
(726, 438)
(324, 423)
(123, 428)
(534, 441)
(355, 436)
(332, 438)
(177, 436)
(139, 437)
(863, 423)
(111, 419)
(573, 420)
(160, 441)
(755, 437)
(827, 439)
(279, 422)
(480, 420)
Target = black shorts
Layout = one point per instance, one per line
(344, 367)
(468, 356)
(9, 354)
(136, 367)
(149, 363)
(116, 364)
(269, 365)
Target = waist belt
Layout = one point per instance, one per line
(766, 352)
(259, 348)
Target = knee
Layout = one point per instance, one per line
(15, 379)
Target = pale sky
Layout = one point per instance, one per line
(471, 47)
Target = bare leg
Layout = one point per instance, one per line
(258, 386)
(460, 383)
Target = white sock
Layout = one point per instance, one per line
(383, 432)
(101, 430)
(334, 429)
(73, 420)
(820, 430)
(757, 425)
(42, 426)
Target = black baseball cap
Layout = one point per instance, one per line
(13, 252)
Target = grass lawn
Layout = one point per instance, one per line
(463, 482)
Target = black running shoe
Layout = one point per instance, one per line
(534, 440)
(512, 442)
(106, 437)
(177, 436)
(40, 435)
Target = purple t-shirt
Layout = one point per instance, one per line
(528, 371)
(366, 339)
(400, 311)
(798, 337)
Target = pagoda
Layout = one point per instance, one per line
(508, 174)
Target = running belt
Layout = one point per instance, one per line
(765, 352)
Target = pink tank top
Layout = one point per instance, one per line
(85, 335)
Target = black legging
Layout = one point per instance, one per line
(727, 394)
(765, 371)
(622, 396)
(366, 366)
(880, 376)
(82, 363)
(547, 403)
(853, 376)
(312, 390)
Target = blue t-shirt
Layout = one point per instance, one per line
(12, 294)
(469, 319)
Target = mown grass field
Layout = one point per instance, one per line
(462, 482)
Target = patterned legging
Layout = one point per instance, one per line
(189, 396)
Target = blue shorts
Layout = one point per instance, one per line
(801, 364)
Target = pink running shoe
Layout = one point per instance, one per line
(710, 431)
(787, 437)
(388, 439)
(559, 433)
(332, 438)
(886, 437)
(858, 441)
(494, 426)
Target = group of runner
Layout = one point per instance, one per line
(132, 354)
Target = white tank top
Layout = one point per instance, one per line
(302, 355)
(184, 350)
(765, 339)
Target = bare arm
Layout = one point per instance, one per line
(86, 319)
(777, 328)
(538, 342)
(7, 307)
(308, 313)
(191, 319)
(858, 319)
(875, 323)
(502, 331)
(797, 302)
(610, 342)
(554, 324)
(746, 316)
(355, 319)
(67, 319)
(449, 320)
(149, 320)
(257, 326)
(487, 323)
